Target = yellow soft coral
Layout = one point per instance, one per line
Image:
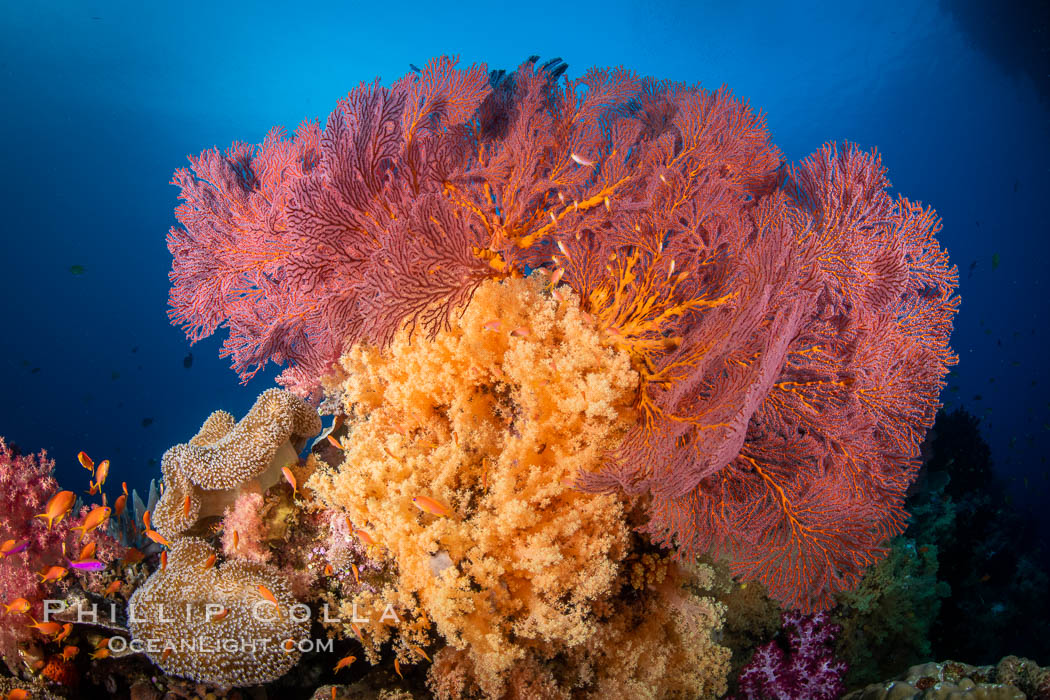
(493, 418)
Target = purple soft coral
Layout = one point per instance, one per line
(809, 672)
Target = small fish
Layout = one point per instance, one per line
(556, 277)
(18, 605)
(56, 509)
(119, 505)
(995, 261)
(113, 588)
(101, 654)
(268, 595)
(157, 537)
(218, 617)
(87, 552)
(187, 361)
(290, 478)
(345, 662)
(492, 325)
(209, 562)
(48, 629)
(77, 269)
(132, 556)
(10, 547)
(328, 571)
(520, 332)
(66, 629)
(582, 161)
(97, 516)
(397, 667)
(102, 472)
(86, 462)
(70, 652)
(419, 651)
(87, 565)
(186, 507)
(147, 422)
(429, 505)
(415, 68)
(17, 694)
(365, 538)
(146, 520)
(164, 560)
(985, 578)
(52, 573)
(357, 574)
(235, 539)
(335, 443)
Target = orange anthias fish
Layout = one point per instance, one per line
(48, 629)
(97, 516)
(66, 629)
(157, 537)
(87, 552)
(209, 562)
(11, 547)
(118, 506)
(133, 556)
(69, 652)
(290, 478)
(85, 461)
(268, 595)
(218, 617)
(146, 520)
(17, 694)
(101, 473)
(18, 605)
(56, 509)
(429, 505)
(345, 662)
(113, 587)
(53, 573)
(187, 506)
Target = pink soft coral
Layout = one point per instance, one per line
(808, 671)
(26, 484)
(243, 521)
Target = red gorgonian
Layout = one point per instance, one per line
(790, 325)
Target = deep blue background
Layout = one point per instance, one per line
(101, 101)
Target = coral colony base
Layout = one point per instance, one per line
(602, 372)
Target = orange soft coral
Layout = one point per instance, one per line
(494, 418)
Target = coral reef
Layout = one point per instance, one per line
(1011, 679)
(494, 419)
(211, 623)
(204, 477)
(32, 549)
(789, 327)
(807, 670)
(886, 620)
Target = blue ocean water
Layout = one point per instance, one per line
(101, 101)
